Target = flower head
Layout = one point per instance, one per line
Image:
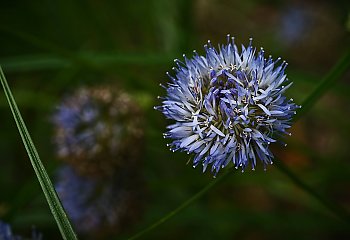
(98, 207)
(228, 106)
(6, 233)
(96, 130)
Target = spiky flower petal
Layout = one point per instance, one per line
(228, 106)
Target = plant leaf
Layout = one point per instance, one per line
(44, 180)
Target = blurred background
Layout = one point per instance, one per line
(51, 49)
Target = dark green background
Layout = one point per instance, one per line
(50, 48)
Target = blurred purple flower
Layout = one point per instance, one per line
(6, 233)
(96, 130)
(296, 22)
(227, 106)
(98, 207)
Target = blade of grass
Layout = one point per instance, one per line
(100, 59)
(49, 46)
(338, 210)
(44, 180)
(34, 63)
(183, 205)
(64, 57)
(334, 74)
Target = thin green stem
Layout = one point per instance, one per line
(338, 210)
(182, 206)
(62, 57)
(334, 74)
(327, 82)
(50, 47)
(104, 60)
(55, 205)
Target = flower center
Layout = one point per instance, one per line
(230, 100)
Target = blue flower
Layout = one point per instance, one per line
(295, 24)
(6, 233)
(98, 207)
(228, 106)
(96, 129)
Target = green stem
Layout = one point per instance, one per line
(338, 210)
(334, 74)
(55, 205)
(182, 206)
(62, 57)
(50, 47)
(327, 82)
